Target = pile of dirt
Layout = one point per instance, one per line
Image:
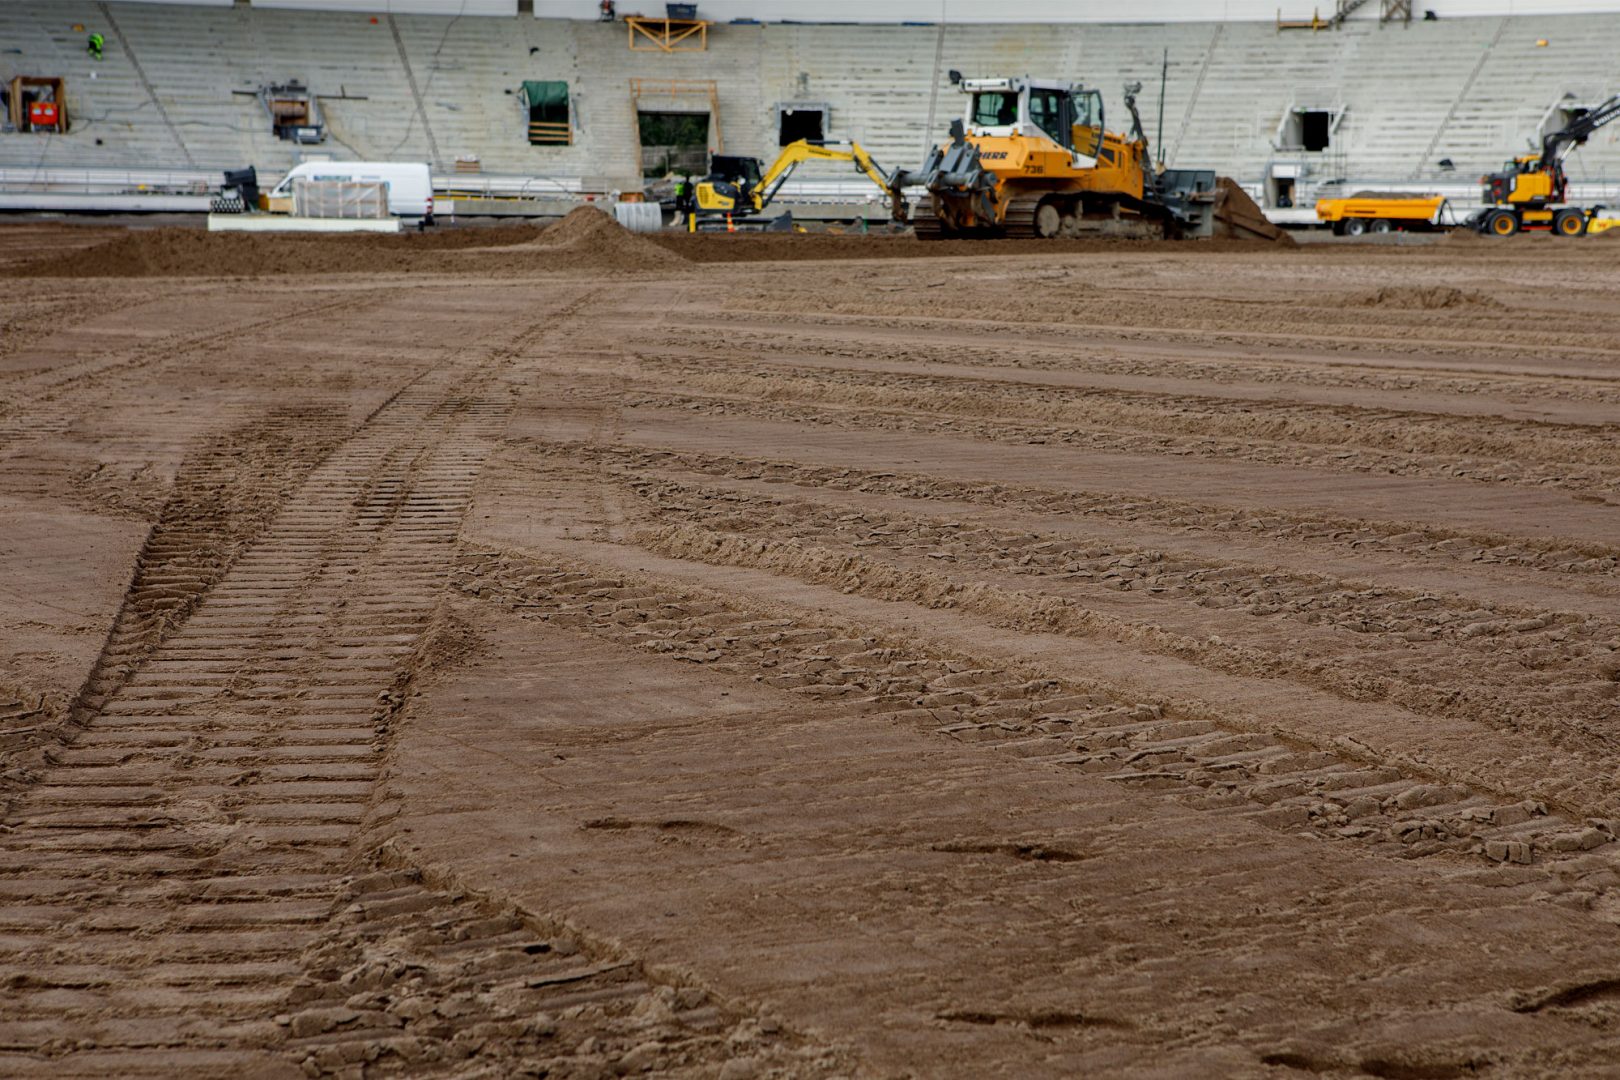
(587, 239)
(181, 252)
(1388, 195)
(1238, 218)
(1424, 298)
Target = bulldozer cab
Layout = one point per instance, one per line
(1065, 113)
(1086, 131)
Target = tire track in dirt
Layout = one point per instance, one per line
(43, 404)
(839, 342)
(1575, 561)
(1342, 793)
(1273, 433)
(203, 817)
(1525, 669)
(1284, 324)
(224, 494)
(204, 881)
(177, 873)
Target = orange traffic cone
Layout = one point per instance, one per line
(729, 226)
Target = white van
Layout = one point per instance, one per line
(409, 183)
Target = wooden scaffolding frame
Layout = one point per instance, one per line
(667, 35)
(679, 88)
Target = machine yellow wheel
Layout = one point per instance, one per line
(1569, 223)
(1503, 223)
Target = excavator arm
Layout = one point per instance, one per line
(1556, 146)
(795, 153)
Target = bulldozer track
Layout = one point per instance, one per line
(816, 338)
(1370, 429)
(1455, 656)
(38, 407)
(1311, 532)
(222, 497)
(1018, 223)
(1341, 795)
(926, 224)
(166, 868)
(886, 411)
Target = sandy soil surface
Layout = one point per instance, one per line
(561, 653)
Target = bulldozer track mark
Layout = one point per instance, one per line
(170, 864)
(33, 409)
(1212, 764)
(1415, 431)
(1577, 561)
(816, 339)
(1449, 656)
(42, 316)
(1269, 433)
(1590, 791)
(1497, 331)
(417, 974)
(224, 494)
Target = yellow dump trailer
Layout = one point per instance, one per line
(1375, 212)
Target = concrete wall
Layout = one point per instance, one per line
(1059, 11)
(429, 88)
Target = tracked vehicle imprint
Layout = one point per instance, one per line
(1349, 797)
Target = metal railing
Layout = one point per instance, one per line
(102, 181)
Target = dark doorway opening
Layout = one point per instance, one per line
(674, 142)
(1315, 129)
(796, 124)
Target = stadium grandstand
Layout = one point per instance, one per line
(1285, 100)
(183, 87)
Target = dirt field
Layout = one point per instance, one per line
(565, 655)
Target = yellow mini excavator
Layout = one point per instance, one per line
(1031, 158)
(1531, 192)
(736, 186)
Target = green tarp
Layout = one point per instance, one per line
(538, 94)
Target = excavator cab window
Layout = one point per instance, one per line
(998, 108)
(1088, 122)
(738, 170)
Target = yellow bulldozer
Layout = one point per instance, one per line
(1032, 158)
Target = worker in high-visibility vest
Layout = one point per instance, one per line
(94, 46)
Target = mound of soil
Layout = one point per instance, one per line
(1238, 218)
(1370, 194)
(587, 239)
(1428, 298)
